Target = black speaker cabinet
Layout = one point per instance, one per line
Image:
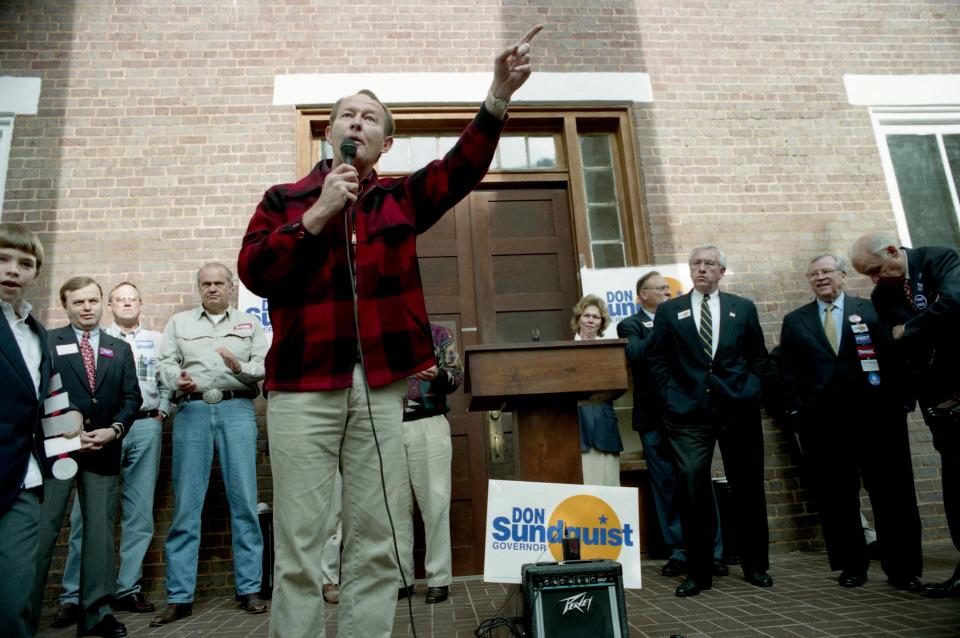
(575, 599)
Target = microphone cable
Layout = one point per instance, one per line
(352, 212)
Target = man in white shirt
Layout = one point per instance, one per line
(140, 463)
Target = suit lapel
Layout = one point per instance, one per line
(103, 361)
(810, 317)
(728, 315)
(850, 307)
(689, 326)
(11, 351)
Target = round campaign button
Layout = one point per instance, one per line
(920, 302)
(64, 468)
(873, 378)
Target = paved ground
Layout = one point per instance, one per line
(805, 601)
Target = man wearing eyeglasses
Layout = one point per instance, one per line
(917, 297)
(852, 426)
(708, 361)
(140, 462)
(653, 290)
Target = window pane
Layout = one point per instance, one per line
(604, 222)
(423, 150)
(608, 256)
(396, 159)
(513, 152)
(599, 186)
(595, 150)
(952, 144)
(543, 152)
(924, 190)
(446, 143)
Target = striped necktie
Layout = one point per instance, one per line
(706, 327)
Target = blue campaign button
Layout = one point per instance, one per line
(873, 378)
(920, 302)
(863, 339)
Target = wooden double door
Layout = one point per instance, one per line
(498, 268)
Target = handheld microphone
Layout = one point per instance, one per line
(348, 151)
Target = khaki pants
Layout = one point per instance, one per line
(305, 430)
(600, 468)
(428, 452)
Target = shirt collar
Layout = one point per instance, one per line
(837, 303)
(94, 332)
(25, 309)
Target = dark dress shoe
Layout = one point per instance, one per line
(135, 602)
(720, 569)
(67, 615)
(946, 589)
(759, 579)
(674, 567)
(108, 627)
(253, 604)
(691, 587)
(911, 584)
(174, 611)
(405, 592)
(437, 594)
(850, 578)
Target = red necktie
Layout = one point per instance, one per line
(89, 362)
(909, 293)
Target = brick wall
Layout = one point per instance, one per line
(156, 136)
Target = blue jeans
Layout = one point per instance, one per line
(230, 428)
(664, 485)
(140, 463)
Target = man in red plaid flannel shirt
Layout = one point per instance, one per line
(306, 247)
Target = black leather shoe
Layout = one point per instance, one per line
(108, 627)
(690, 587)
(437, 594)
(911, 584)
(759, 579)
(135, 602)
(720, 569)
(174, 611)
(674, 567)
(67, 615)
(405, 592)
(253, 604)
(850, 578)
(946, 589)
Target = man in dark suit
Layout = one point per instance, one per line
(851, 425)
(708, 361)
(25, 372)
(100, 377)
(917, 297)
(653, 290)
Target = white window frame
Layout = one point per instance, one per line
(912, 121)
(6, 134)
(18, 96)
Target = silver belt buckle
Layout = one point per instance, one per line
(212, 395)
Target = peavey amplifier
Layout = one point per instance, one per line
(581, 598)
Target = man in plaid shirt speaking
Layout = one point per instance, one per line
(312, 247)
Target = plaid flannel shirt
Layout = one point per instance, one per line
(306, 277)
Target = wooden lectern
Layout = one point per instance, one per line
(542, 382)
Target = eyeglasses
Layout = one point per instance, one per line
(823, 272)
(126, 299)
(663, 288)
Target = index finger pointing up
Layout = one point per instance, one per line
(531, 33)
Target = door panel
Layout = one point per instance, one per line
(497, 267)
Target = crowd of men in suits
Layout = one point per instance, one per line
(847, 372)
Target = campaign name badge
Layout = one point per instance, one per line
(683, 314)
(920, 302)
(873, 378)
(107, 352)
(647, 324)
(67, 348)
(870, 365)
(863, 339)
(145, 343)
(865, 351)
(859, 327)
(733, 314)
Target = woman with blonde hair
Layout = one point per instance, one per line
(600, 443)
